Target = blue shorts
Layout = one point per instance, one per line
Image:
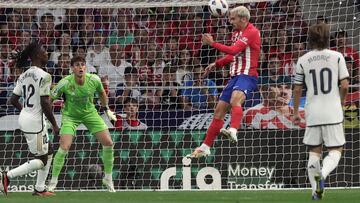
(244, 83)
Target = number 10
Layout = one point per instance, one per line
(322, 82)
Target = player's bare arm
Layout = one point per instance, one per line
(46, 105)
(208, 70)
(104, 103)
(344, 88)
(14, 100)
(297, 94)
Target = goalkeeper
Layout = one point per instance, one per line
(78, 90)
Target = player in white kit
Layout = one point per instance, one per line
(34, 87)
(325, 75)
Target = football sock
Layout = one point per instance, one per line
(236, 116)
(108, 159)
(25, 168)
(42, 175)
(213, 131)
(313, 169)
(330, 162)
(59, 160)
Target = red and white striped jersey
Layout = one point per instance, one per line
(243, 53)
(262, 117)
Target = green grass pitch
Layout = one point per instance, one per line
(288, 196)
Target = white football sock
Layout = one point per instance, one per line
(42, 175)
(313, 169)
(25, 168)
(108, 177)
(330, 162)
(204, 147)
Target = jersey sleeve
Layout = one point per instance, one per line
(343, 71)
(98, 83)
(45, 85)
(299, 75)
(18, 90)
(58, 90)
(240, 45)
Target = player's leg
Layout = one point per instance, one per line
(29, 166)
(107, 157)
(97, 127)
(237, 99)
(67, 132)
(313, 139)
(313, 169)
(42, 174)
(59, 159)
(213, 130)
(243, 85)
(217, 123)
(334, 140)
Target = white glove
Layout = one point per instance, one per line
(111, 115)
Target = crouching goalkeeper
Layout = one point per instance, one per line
(78, 91)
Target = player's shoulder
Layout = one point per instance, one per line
(252, 29)
(334, 53)
(93, 77)
(66, 80)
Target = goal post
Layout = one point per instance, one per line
(157, 44)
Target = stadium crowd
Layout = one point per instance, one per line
(155, 55)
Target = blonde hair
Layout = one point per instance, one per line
(241, 11)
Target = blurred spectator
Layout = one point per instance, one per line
(121, 35)
(130, 120)
(115, 68)
(24, 39)
(14, 26)
(29, 20)
(354, 77)
(87, 29)
(347, 51)
(151, 67)
(184, 66)
(6, 64)
(274, 112)
(169, 93)
(273, 67)
(98, 55)
(130, 87)
(80, 50)
(171, 50)
(282, 48)
(63, 67)
(57, 13)
(47, 34)
(103, 18)
(288, 68)
(70, 24)
(198, 93)
(63, 47)
(3, 30)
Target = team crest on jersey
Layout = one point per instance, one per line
(72, 88)
(244, 39)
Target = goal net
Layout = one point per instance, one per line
(149, 56)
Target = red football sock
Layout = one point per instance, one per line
(236, 116)
(213, 131)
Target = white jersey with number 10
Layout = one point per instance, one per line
(322, 72)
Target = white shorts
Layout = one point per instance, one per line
(330, 135)
(36, 134)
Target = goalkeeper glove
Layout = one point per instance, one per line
(111, 115)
